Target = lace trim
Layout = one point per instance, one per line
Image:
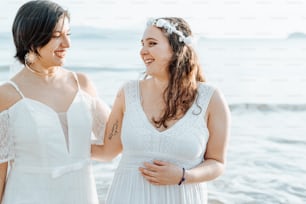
(205, 94)
(6, 140)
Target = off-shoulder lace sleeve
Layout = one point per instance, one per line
(6, 140)
(100, 113)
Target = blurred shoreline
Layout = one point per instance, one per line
(259, 74)
(117, 73)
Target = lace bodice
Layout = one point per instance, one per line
(97, 109)
(184, 141)
(182, 144)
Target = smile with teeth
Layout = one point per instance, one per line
(148, 61)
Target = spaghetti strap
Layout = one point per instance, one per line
(16, 87)
(76, 79)
(205, 94)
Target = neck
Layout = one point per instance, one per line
(160, 85)
(42, 74)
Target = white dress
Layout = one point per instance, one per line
(43, 169)
(183, 144)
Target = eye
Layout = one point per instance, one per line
(152, 43)
(56, 36)
(60, 34)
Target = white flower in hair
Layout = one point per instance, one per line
(161, 23)
(188, 40)
(170, 28)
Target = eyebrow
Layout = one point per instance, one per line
(147, 39)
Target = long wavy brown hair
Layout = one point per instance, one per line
(184, 71)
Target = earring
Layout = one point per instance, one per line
(29, 58)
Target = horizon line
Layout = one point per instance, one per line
(94, 29)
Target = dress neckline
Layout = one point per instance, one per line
(147, 120)
(49, 107)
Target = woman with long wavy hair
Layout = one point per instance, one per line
(171, 127)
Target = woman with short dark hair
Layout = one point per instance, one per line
(34, 25)
(51, 120)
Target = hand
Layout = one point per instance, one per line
(161, 173)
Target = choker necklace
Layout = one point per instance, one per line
(41, 74)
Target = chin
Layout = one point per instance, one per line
(61, 63)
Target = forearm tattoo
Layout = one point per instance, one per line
(115, 130)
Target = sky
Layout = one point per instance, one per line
(210, 18)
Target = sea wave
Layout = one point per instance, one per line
(267, 107)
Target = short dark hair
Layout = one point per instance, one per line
(34, 25)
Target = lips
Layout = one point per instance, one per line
(148, 61)
(60, 53)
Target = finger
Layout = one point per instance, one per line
(151, 179)
(142, 170)
(150, 166)
(160, 163)
(155, 183)
(145, 170)
(148, 172)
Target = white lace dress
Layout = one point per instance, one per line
(45, 167)
(183, 144)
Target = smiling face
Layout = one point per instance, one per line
(54, 52)
(156, 52)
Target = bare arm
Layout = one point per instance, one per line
(112, 140)
(3, 172)
(219, 130)
(164, 173)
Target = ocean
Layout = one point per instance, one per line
(264, 83)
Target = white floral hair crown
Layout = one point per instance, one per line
(170, 28)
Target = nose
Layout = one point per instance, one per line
(143, 50)
(66, 41)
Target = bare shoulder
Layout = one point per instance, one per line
(120, 96)
(119, 103)
(86, 84)
(120, 93)
(218, 103)
(8, 96)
